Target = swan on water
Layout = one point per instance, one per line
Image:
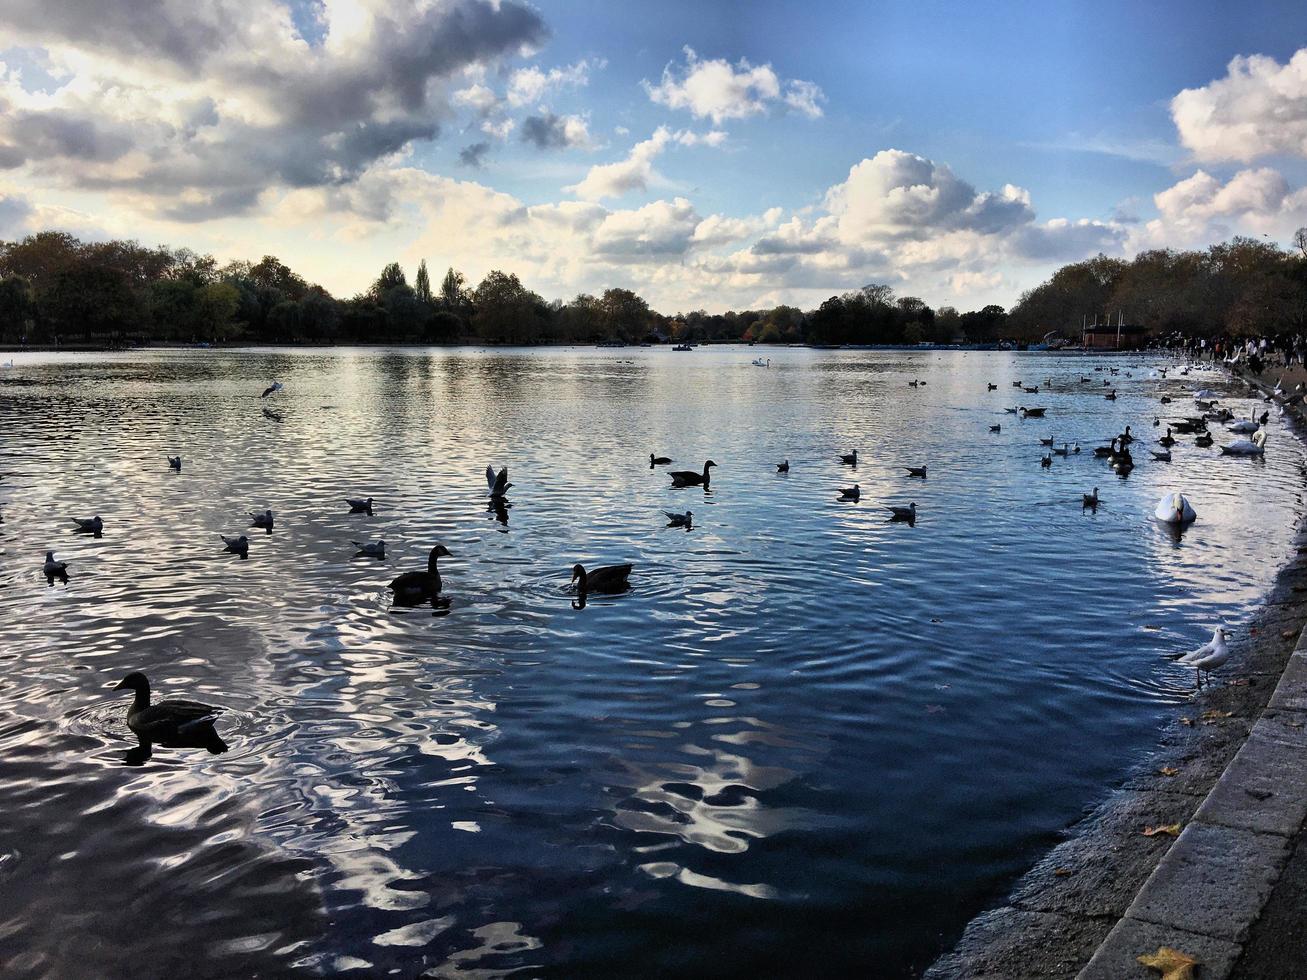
(1243, 426)
(1256, 446)
(1174, 508)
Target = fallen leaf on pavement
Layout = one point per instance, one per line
(1170, 828)
(1171, 963)
(1168, 771)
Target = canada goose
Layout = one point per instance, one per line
(175, 723)
(1046, 461)
(1168, 439)
(1204, 440)
(996, 428)
(850, 459)
(498, 485)
(1031, 391)
(412, 587)
(175, 463)
(993, 387)
(611, 579)
(1033, 413)
(688, 478)
(851, 493)
(1064, 451)
(1110, 396)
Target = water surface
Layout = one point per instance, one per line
(808, 737)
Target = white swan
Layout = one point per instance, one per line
(1209, 656)
(1243, 426)
(1204, 395)
(1256, 446)
(1174, 508)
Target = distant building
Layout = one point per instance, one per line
(1118, 336)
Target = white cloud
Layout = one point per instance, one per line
(1200, 209)
(478, 97)
(636, 172)
(1259, 108)
(718, 90)
(527, 86)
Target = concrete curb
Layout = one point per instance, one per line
(1209, 889)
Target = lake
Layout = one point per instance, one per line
(808, 739)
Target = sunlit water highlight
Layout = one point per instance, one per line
(807, 736)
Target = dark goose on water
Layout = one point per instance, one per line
(417, 586)
(175, 723)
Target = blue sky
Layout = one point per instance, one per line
(707, 154)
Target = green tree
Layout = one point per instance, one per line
(453, 291)
(422, 285)
(391, 276)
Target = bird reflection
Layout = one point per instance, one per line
(499, 507)
(273, 416)
(60, 576)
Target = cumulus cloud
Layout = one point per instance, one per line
(1201, 209)
(1259, 108)
(527, 86)
(550, 132)
(636, 172)
(197, 109)
(718, 90)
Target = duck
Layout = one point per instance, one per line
(1031, 391)
(173, 722)
(237, 546)
(1102, 451)
(913, 384)
(272, 389)
(1033, 413)
(90, 525)
(1165, 399)
(685, 520)
(783, 467)
(996, 428)
(359, 506)
(175, 463)
(1264, 418)
(1256, 446)
(688, 478)
(658, 460)
(413, 587)
(917, 471)
(1089, 499)
(851, 493)
(851, 459)
(263, 520)
(908, 513)
(52, 567)
(1175, 509)
(1163, 457)
(1111, 395)
(610, 580)
(1017, 384)
(1168, 439)
(1209, 656)
(376, 550)
(1205, 440)
(499, 485)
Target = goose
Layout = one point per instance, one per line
(271, 389)
(685, 520)
(1204, 440)
(1126, 437)
(1046, 461)
(237, 546)
(263, 520)
(851, 459)
(1033, 413)
(1089, 499)
(918, 471)
(175, 463)
(1102, 451)
(273, 416)
(413, 587)
(377, 550)
(91, 525)
(1243, 427)
(1174, 509)
(908, 513)
(783, 467)
(1256, 446)
(1264, 418)
(658, 460)
(52, 567)
(1209, 656)
(1046, 442)
(996, 428)
(359, 506)
(172, 722)
(851, 493)
(1163, 457)
(688, 478)
(1017, 384)
(1064, 451)
(498, 485)
(1168, 439)
(993, 387)
(611, 579)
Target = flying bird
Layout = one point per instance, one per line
(271, 389)
(498, 485)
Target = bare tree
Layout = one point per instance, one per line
(1300, 241)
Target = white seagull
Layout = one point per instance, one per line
(685, 520)
(92, 525)
(271, 389)
(377, 550)
(1209, 656)
(498, 484)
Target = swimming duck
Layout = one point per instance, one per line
(851, 493)
(611, 579)
(237, 546)
(1111, 395)
(1204, 440)
(783, 467)
(359, 506)
(499, 485)
(263, 520)
(851, 459)
(1209, 656)
(173, 722)
(917, 471)
(52, 567)
(1090, 499)
(413, 587)
(1017, 384)
(685, 520)
(688, 478)
(92, 525)
(1175, 509)
(908, 513)
(376, 550)
(658, 460)
(1031, 391)
(175, 463)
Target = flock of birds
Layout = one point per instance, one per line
(182, 723)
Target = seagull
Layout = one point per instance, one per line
(680, 520)
(175, 463)
(237, 546)
(1046, 442)
(851, 459)
(498, 484)
(359, 506)
(908, 513)
(783, 467)
(91, 525)
(1089, 500)
(53, 567)
(1163, 457)
(1064, 451)
(377, 550)
(919, 471)
(271, 389)
(263, 520)
(851, 493)
(1209, 656)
